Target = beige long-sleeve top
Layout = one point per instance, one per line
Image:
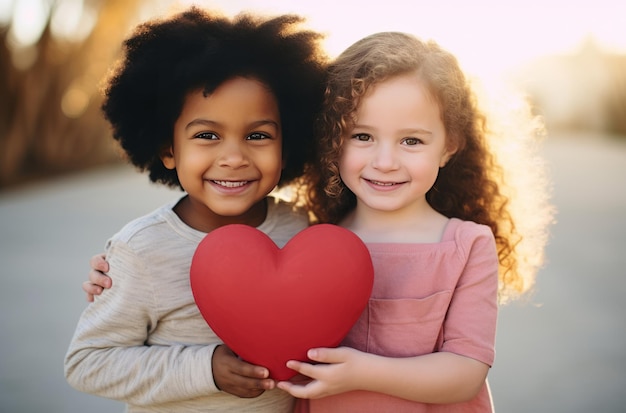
(144, 341)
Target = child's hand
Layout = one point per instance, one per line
(98, 280)
(237, 377)
(336, 374)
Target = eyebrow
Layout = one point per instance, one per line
(407, 131)
(255, 124)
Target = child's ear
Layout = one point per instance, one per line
(167, 157)
(445, 158)
(449, 153)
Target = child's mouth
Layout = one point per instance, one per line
(231, 184)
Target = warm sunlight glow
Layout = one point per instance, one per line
(29, 21)
(489, 38)
(6, 11)
(72, 20)
(74, 102)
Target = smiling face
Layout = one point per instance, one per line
(392, 156)
(227, 151)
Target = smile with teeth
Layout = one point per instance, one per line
(231, 184)
(382, 183)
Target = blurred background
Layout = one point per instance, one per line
(53, 54)
(64, 189)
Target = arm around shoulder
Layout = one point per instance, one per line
(109, 356)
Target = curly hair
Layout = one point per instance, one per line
(469, 187)
(164, 59)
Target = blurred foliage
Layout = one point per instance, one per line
(50, 119)
(583, 91)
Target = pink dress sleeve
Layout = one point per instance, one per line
(470, 326)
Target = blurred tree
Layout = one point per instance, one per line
(616, 99)
(584, 91)
(50, 119)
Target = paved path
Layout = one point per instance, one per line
(563, 352)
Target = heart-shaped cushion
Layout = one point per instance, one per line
(270, 305)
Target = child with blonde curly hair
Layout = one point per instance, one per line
(407, 162)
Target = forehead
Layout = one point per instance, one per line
(243, 89)
(411, 81)
(403, 94)
(236, 97)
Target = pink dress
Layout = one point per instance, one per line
(427, 298)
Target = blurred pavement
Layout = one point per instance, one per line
(564, 351)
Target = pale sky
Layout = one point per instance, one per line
(488, 36)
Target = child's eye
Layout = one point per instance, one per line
(257, 136)
(411, 141)
(363, 137)
(206, 135)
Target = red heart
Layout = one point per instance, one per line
(270, 305)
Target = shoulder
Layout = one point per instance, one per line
(471, 237)
(144, 227)
(468, 230)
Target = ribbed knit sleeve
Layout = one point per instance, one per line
(108, 354)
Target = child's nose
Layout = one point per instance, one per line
(233, 155)
(385, 158)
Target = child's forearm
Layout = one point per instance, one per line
(142, 375)
(431, 378)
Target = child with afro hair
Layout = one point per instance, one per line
(224, 109)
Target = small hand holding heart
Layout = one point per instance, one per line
(270, 305)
